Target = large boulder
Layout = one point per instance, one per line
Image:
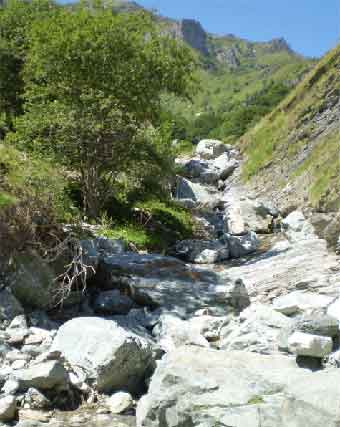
(243, 214)
(203, 387)
(10, 307)
(33, 281)
(111, 357)
(196, 192)
(202, 251)
(211, 148)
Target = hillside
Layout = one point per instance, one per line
(294, 153)
(233, 74)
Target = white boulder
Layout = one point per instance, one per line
(119, 402)
(112, 357)
(303, 344)
(210, 148)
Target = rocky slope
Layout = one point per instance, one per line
(294, 154)
(239, 328)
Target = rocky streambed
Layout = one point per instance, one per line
(239, 328)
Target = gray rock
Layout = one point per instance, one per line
(225, 166)
(111, 357)
(93, 249)
(240, 246)
(317, 324)
(33, 282)
(34, 399)
(243, 214)
(305, 266)
(333, 309)
(157, 281)
(203, 387)
(112, 302)
(8, 408)
(256, 330)
(297, 227)
(303, 344)
(173, 332)
(119, 402)
(209, 326)
(11, 386)
(10, 307)
(202, 251)
(19, 322)
(198, 193)
(49, 375)
(210, 149)
(300, 301)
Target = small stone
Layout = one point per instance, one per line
(112, 302)
(334, 309)
(19, 322)
(36, 400)
(10, 387)
(303, 344)
(119, 402)
(18, 364)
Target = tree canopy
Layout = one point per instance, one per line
(93, 82)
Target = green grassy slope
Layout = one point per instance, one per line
(228, 83)
(299, 142)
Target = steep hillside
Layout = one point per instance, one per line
(294, 153)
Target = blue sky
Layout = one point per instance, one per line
(311, 27)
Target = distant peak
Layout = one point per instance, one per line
(279, 44)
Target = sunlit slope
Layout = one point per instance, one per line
(297, 146)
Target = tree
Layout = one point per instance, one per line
(94, 81)
(16, 18)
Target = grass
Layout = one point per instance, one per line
(156, 226)
(7, 200)
(282, 137)
(256, 400)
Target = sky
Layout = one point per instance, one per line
(311, 27)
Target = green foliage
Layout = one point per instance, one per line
(89, 101)
(16, 19)
(6, 200)
(25, 177)
(232, 99)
